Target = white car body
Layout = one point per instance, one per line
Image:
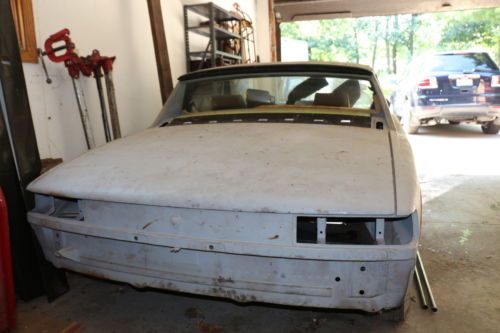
(214, 209)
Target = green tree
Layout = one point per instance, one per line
(479, 28)
(389, 43)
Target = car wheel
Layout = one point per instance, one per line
(453, 122)
(408, 123)
(490, 128)
(400, 313)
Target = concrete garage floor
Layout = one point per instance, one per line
(460, 174)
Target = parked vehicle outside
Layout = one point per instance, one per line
(450, 88)
(281, 183)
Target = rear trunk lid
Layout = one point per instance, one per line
(279, 168)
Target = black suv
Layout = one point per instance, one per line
(449, 88)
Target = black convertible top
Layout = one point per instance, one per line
(310, 67)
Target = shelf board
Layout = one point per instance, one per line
(220, 14)
(219, 32)
(200, 54)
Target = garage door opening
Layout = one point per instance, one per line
(389, 44)
(458, 164)
(447, 155)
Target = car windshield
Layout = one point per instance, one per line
(273, 97)
(468, 62)
(278, 91)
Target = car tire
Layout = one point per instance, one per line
(408, 125)
(490, 128)
(400, 313)
(453, 122)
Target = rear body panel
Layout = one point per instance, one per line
(243, 256)
(252, 253)
(305, 214)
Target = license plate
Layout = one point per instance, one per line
(464, 82)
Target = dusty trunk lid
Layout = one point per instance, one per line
(282, 168)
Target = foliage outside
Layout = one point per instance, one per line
(389, 43)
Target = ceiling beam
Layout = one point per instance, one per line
(293, 10)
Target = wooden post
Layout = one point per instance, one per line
(272, 30)
(278, 41)
(161, 50)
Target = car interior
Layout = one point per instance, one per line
(345, 95)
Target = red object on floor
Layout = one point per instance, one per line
(7, 293)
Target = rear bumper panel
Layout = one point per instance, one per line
(458, 112)
(345, 277)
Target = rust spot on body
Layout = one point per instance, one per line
(148, 224)
(222, 279)
(192, 313)
(208, 328)
(265, 210)
(96, 274)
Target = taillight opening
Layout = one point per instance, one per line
(428, 83)
(354, 231)
(495, 81)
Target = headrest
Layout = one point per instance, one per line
(306, 88)
(228, 102)
(345, 95)
(256, 97)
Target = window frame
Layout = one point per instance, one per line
(22, 13)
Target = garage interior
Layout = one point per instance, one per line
(458, 167)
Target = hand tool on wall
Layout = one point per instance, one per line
(102, 102)
(95, 65)
(91, 65)
(107, 67)
(40, 56)
(71, 61)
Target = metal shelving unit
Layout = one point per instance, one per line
(214, 53)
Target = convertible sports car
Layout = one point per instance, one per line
(280, 183)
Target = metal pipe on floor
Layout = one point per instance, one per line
(421, 291)
(426, 283)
